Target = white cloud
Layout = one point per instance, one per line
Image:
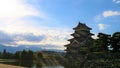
(56, 37)
(116, 1)
(106, 14)
(52, 36)
(12, 9)
(5, 38)
(12, 14)
(101, 26)
(110, 13)
(98, 18)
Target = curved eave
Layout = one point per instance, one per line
(91, 34)
(82, 27)
(72, 34)
(70, 39)
(67, 45)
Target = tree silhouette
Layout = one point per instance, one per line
(115, 42)
(27, 55)
(23, 55)
(4, 54)
(17, 55)
(39, 55)
(30, 55)
(104, 41)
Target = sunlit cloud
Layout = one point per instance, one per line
(98, 18)
(110, 13)
(106, 14)
(116, 1)
(56, 37)
(12, 10)
(19, 31)
(101, 26)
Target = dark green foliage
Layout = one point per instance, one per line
(0, 55)
(17, 55)
(101, 44)
(104, 41)
(101, 56)
(27, 55)
(115, 42)
(30, 55)
(39, 55)
(23, 55)
(20, 55)
(96, 46)
(6, 55)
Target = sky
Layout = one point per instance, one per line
(49, 23)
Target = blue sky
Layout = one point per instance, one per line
(50, 22)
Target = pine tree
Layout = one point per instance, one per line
(115, 42)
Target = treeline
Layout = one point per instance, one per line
(28, 58)
(107, 43)
(21, 55)
(43, 57)
(6, 55)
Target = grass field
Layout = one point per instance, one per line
(10, 66)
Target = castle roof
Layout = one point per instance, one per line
(82, 25)
(67, 45)
(76, 38)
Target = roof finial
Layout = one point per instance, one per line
(79, 23)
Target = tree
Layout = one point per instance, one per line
(17, 55)
(30, 55)
(4, 54)
(39, 55)
(104, 41)
(0, 55)
(7, 55)
(115, 42)
(27, 55)
(23, 55)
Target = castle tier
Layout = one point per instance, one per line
(80, 43)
